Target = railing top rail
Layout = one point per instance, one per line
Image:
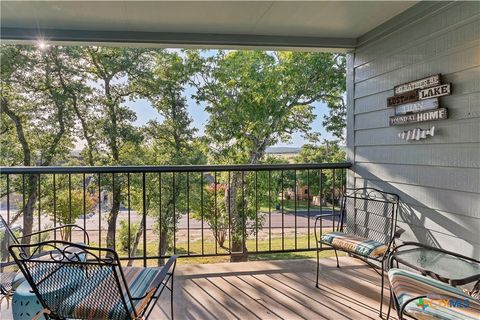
(182, 168)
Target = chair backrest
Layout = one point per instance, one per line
(7, 238)
(76, 281)
(369, 213)
(8, 267)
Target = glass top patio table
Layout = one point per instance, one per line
(439, 264)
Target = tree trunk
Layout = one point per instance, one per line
(136, 241)
(112, 217)
(29, 207)
(162, 246)
(27, 159)
(237, 221)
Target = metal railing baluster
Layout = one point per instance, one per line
(54, 206)
(129, 231)
(243, 212)
(308, 207)
(188, 213)
(269, 211)
(283, 216)
(201, 209)
(215, 212)
(84, 207)
(99, 210)
(144, 218)
(70, 201)
(295, 204)
(256, 211)
(160, 211)
(229, 213)
(39, 208)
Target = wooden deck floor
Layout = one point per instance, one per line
(272, 290)
(275, 290)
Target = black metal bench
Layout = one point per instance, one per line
(365, 227)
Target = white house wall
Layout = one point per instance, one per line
(438, 179)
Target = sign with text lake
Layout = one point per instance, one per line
(429, 115)
(438, 91)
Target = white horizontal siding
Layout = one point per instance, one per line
(466, 34)
(449, 178)
(464, 155)
(430, 24)
(437, 179)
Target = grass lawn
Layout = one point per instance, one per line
(209, 248)
(302, 205)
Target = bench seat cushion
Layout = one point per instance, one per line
(352, 243)
(442, 301)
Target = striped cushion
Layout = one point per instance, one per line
(86, 301)
(353, 243)
(442, 300)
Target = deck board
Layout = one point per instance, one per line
(271, 290)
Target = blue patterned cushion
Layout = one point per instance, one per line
(353, 243)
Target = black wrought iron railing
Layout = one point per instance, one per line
(151, 212)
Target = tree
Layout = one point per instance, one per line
(69, 207)
(113, 70)
(256, 99)
(170, 142)
(39, 92)
(329, 152)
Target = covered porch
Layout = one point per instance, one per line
(387, 44)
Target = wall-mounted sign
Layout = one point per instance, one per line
(417, 101)
(402, 98)
(421, 105)
(429, 115)
(417, 84)
(438, 91)
(417, 134)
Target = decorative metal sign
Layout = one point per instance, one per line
(417, 134)
(417, 84)
(429, 115)
(421, 105)
(438, 91)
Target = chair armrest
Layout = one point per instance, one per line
(57, 228)
(398, 232)
(320, 218)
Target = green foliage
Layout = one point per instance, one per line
(214, 211)
(123, 234)
(330, 152)
(256, 99)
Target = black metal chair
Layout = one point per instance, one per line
(81, 282)
(10, 278)
(365, 227)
